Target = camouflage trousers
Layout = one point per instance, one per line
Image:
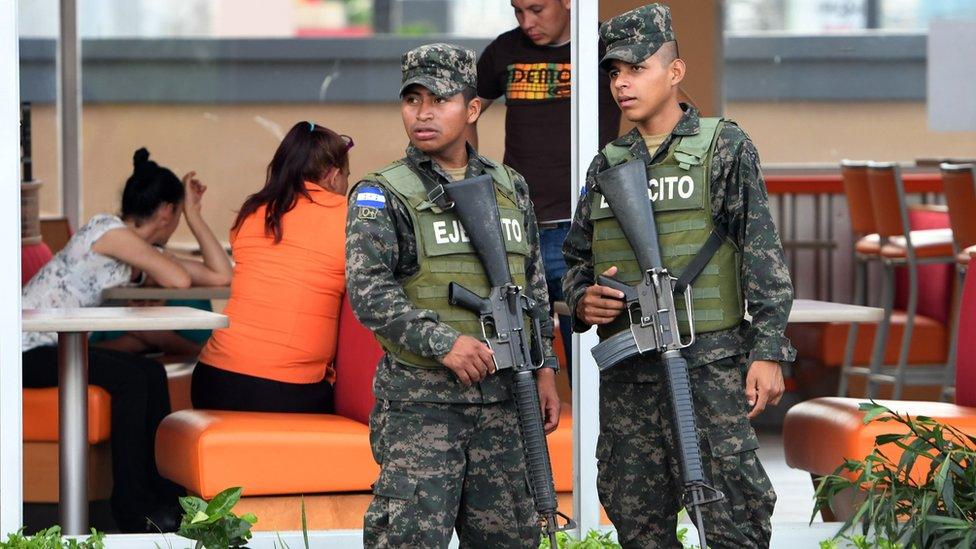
(445, 467)
(639, 475)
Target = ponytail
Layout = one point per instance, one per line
(307, 153)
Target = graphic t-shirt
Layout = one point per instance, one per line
(535, 81)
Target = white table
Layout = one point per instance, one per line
(156, 293)
(809, 310)
(72, 326)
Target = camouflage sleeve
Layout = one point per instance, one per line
(535, 273)
(373, 244)
(577, 250)
(765, 277)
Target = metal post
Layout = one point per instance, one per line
(873, 14)
(11, 435)
(73, 431)
(585, 117)
(69, 112)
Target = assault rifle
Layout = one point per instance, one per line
(654, 322)
(502, 315)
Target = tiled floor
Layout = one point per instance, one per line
(794, 490)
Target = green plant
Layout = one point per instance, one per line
(934, 508)
(50, 538)
(212, 524)
(594, 540)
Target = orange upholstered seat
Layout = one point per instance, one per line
(206, 451)
(819, 434)
(41, 415)
(825, 342)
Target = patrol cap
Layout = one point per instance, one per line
(444, 69)
(634, 36)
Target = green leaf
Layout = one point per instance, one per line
(199, 517)
(872, 411)
(223, 502)
(881, 440)
(191, 504)
(304, 524)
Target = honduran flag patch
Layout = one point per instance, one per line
(371, 197)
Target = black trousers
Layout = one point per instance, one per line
(140, 401)
(215, 389)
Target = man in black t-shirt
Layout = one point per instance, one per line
(530, 66)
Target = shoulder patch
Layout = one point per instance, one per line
(583, 191)
(371, 197)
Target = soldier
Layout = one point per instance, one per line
(703, 175)
(444, 429)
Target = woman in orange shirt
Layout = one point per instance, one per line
(288, 244)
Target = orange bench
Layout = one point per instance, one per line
(40, 426)
(819, 434)
(278, 457)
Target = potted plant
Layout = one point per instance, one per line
(916, 489)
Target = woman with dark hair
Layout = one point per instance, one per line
(118, 250)
(288, 242)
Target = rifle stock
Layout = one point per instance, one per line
(476, 206)
(654, 323)
(502, 315)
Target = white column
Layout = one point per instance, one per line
(585, 128)
(69, 112)
(11, 486)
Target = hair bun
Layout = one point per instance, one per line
(140, 157)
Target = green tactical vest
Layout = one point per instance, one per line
(445, 255)
(679, 190)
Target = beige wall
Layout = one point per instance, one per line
(230, 146)
(830, 132)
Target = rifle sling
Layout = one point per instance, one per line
(701, 259)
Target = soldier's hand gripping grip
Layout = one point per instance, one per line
(620, 347)
(630, 293)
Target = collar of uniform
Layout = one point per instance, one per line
(687, 125)
(421, 161)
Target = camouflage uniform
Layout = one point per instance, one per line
(451, 456)
(639, 479)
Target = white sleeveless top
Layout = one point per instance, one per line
(75, 277)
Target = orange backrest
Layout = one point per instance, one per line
(55, 232)
(357, 354)
(959, 184)
(855, 178)
(885, 186)
(966, 350)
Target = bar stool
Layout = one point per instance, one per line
(900, 246)
(866, 243)
(959, 185)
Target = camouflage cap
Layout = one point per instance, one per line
(634, 36)
(444, 69)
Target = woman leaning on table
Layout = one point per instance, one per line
(289, 253)
(119, 250)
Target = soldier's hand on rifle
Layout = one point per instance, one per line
(545, 381)
(764, 385)
(470, 360)
(600, 304)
